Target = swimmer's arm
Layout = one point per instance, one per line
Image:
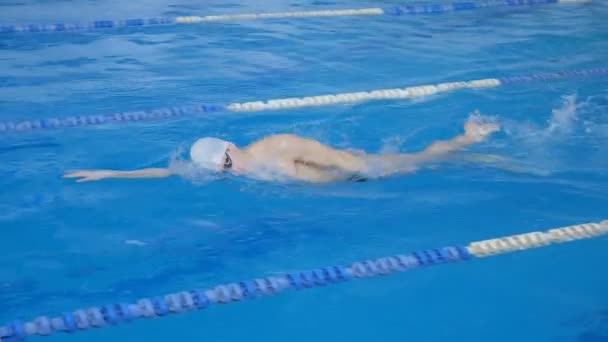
(95, 175)
(386, 164)
(441, 149)
(475, 132)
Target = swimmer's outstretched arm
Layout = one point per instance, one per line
(475, 132)
(95, 175)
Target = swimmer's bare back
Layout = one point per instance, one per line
(304, 159)
(308, 160)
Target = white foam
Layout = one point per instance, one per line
(563, 119)
(187, 169)
(136, 243)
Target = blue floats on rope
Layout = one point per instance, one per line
(460, 6)
(95, 120)
(110, 315)
(550, 76)
(94, 25)
(437, 8)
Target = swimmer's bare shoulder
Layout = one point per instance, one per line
(277, 142)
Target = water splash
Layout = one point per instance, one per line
(135, 242)
(185, 168)
(561, 123)
(572, 131)
(563, 119)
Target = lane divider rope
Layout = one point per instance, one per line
(417, 9)
(113, 314)
(289, 103)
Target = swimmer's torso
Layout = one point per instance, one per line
(278, 155)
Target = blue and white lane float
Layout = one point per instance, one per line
(416, 9)
(184, 301)
(289, 103)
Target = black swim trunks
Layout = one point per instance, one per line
(357, 178)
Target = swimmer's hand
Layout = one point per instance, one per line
(476, 130)
(90, 175)
(95, 175)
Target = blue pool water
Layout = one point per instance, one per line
(66, 245)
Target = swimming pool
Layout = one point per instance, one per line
(68, 246)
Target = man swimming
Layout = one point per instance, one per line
(292, 157)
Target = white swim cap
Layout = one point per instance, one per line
(209, 153)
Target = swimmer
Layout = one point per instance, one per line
(296, 158)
